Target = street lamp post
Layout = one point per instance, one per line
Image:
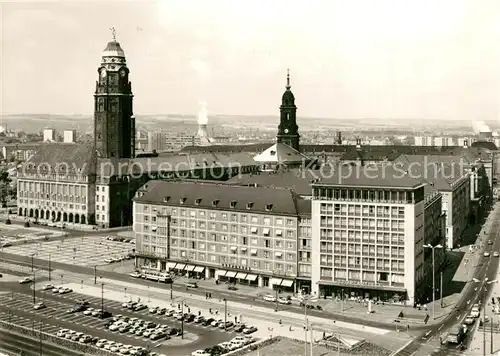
(34, 284)
(32, 263)
(485, 300)
(225, 313)
(102, 300)
(433, 279)
(49, 269)
(305, 300)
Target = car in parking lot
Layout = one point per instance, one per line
(226, 325)
(200, 353)
(469, 320)
(239, 328)
(286, 301)
(25, 280)
(158, 335)
(161, 311)
(65, 290)
(188, 318)
(88, 311)
(216, 323)
(153, 310)
(208, 322)
(490, 242)
(140, 307)
(250, 330)
(269, 298)
(47, 287)
(135, 274)
(56, 289)
(486, 254)
(75, 309)
(85, 339)
(199, 319)
(39, 305)
(495, 254)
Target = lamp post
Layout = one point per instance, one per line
(34, 284)
(32, 262)
(485, 296)
(102, 300)
(49, 269)
(225, 313)
(433, 278)
(305, 300)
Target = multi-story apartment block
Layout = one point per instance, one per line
(19, 151)
(368, 234)
(227, 232)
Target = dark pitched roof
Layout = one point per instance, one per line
(439, 171)
(63, 158)
(296, 179)
(173, 163)
(371, 176)
(485, 144)
(203, 195)
(304, 207)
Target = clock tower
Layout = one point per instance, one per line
(288, 131)
(114, 123)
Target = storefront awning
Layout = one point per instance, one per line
(276, 281)
(189, 268)
(241, 275)
(199, 269)
(221, 272)
(251, 277)
(180, 266)
(287, 283)
(171, 264)
(230, 274)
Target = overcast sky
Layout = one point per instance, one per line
(348, 58)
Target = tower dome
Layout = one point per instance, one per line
(113, 56)
(288, 98)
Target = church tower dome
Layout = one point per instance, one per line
(288, 131)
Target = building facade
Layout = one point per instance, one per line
(368, 234)
(231, 233)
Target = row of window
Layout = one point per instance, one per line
(366, 210)
(365, 223)
(53, 188)
(214, 215)
(45, 204)
(366, 276)
(366, 263)
(365, 236)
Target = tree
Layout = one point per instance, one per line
(4, 186)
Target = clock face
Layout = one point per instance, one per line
(103, 73)
(123, 72)
(286, 130)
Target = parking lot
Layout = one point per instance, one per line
(11, 234)
(83, 251)
(136, 327)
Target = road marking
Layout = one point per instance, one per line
(428, 333)
(440, 327)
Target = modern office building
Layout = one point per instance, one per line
(368, 234)
(49, 135)
(234, 233)
(69, 136)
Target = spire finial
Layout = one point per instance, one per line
(288, 86)
(113, 33)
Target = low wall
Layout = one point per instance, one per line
(254, 346)
(72, 345)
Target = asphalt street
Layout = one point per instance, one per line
(13, 343)
(474, 293)
(26, 260)
(17, 306)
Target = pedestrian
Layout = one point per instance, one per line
(210, 310)
(189, 310)
(178, 305)
(290, 328)
(199, 312)
(324, 335)
(236, 320)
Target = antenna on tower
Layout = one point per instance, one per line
(113, 33)
(288, 78)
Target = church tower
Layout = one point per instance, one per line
(288, 131)
(114, 123)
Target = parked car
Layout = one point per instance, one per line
(39, 305)
(140, 307)
(486, 254)
(239, 328)
(495, 254)
(490, 242)
(250, 330)
(135, 274)
(286, 301)
(208, 322)
(191, 285)
(25, 280)
(269, 298)
(199, 319)
(65, 290)
(47, 287)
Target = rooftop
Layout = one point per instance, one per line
(211, 196)
(280, 153)
(370, 176)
